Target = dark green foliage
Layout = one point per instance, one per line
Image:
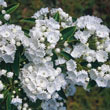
(57, 17)
(65, 55)
(10, 9)
(8, 102)
(62, 94)
(91, 84)
(28, 20)
(68, 33)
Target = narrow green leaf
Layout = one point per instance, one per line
(72, 39)
(68, 33)
(91, 84)
(16, 63)
(28, 20)
(92, 43)
(57, 17)
(65, 55)
(26, 32)
(74, 19)
(8, 102)
(62, 94)
(10, 9)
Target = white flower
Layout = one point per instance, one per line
(51, 88)
(60, 82)
(102, 77)
(93, 74)
(90, 55)
(107, 45)
(67, 49)
(90, 22)
(57, 50)
(53, 37)
(101, 56)
(102, 31)
(49, 105)
(105, 68)
(52, 24)
(53, 104)
(7, 17)
(16, 101)
(42, 82)
(3, 72)
(60, 61)
(79, 78)
(82, 36)
(101, 82)
(71, 65)
(65, 19)
(10, 74)
(34, 53)
(3, 12)
(8, 58)
(1, 86)
(41, 13)
(1, 96)
(79, 50)
(70, 90)
(3, 3)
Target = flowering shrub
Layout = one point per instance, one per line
(40, 67)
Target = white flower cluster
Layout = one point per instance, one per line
(11, 36)
(2, 85)
(41, 81)
(44, 37)
(45, 34)
(79, 78)
(16, 101)
(92, 47)
(6, 74)
(64, 17)
(41, 14)
(101, 75)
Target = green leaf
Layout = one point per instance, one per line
(16, 63)
(91, 84)
(72, 39)
(28, 20)
(74, 19)
(65, 55)
(62, 94)
(10, 9)
(92, 43)
(8, 102)
(26, 32)
(57, 17)
(68, 33)
(35, 105)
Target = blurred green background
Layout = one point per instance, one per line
(98, 98)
